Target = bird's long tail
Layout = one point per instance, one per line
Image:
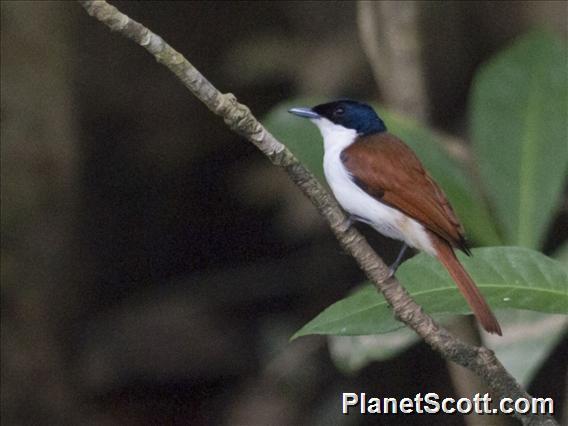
(467, 287)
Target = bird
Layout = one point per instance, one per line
(378, 180)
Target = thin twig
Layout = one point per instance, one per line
(238, 117)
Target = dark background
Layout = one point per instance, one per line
(154, 264)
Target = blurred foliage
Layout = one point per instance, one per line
(562, 255)
(530, 338)
(519, 107)
(352, 353)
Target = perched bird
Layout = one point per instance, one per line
(379, 180)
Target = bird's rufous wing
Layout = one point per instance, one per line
(387, 169)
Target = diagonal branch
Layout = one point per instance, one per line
(238, 117)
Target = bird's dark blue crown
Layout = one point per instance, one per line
(352, 115)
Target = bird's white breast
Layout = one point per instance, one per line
(386, 220)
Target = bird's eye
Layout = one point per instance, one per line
(339, 111)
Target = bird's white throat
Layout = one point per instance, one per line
(335, 136)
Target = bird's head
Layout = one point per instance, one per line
(351, 115)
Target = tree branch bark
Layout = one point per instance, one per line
(238, 117)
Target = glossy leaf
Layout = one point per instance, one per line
(509, 277)
(519, 111)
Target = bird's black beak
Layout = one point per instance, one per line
(304, 112)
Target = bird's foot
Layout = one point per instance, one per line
(396, 263)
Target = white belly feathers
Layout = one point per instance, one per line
(386, 220)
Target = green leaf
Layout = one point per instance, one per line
(304, 140)
(509, 277)
(519, 109)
